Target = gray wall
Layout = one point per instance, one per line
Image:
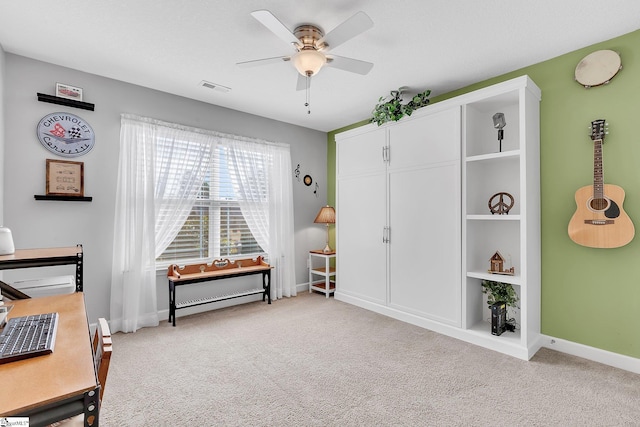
(37, 224)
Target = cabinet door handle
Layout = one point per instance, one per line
(385, 154)
(386, 233)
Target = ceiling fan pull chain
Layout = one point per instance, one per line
(306, 104)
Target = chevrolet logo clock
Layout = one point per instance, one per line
(65, 134)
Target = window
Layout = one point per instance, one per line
(216, 226)
(185, 193)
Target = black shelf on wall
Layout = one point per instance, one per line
(63, 198)
(43, 97)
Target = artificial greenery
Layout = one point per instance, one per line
(500, 292)
(392, 109)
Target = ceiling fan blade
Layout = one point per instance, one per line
(265, 61)
(358, 23)
(267, 19)
(302, 82)
(349, 64)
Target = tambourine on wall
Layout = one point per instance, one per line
(598, 68)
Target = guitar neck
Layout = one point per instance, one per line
(598, 174)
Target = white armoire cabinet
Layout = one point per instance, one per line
(363, 196)
(398, 208)
(414, 232)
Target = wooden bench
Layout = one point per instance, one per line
(218, 269)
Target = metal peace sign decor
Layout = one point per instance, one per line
(65, 134)
(501, 203)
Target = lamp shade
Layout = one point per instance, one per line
(327, 215)
(308, 61)
(6, 241)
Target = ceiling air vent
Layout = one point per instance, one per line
(214, 86)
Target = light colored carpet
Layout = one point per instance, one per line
(312, 361)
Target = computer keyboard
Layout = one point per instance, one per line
(28, 336)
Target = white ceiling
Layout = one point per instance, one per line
(172, 45)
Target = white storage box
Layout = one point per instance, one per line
(46, 286)
(6, 241)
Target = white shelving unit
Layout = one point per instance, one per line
(486, 170)
(327, 283)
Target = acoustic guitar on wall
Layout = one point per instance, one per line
(599, 220)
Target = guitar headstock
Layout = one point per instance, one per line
(599, 128)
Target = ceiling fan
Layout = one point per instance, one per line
(312, 46)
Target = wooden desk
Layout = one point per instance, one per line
(28, 258)
(218, 269)
(59, 385)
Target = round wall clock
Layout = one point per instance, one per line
(65, 134)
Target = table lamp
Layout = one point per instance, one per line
(327, 215)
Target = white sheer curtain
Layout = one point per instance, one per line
(160, 173)
(183, 158)
(161, 170)
(281, 247)
(270, 219)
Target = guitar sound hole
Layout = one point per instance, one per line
(599, 204)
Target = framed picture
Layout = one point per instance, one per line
(65, 178)
(69, 92)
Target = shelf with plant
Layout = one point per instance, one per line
(484, 275)
(503, 292)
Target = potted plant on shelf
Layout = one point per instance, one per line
(502, 292)
(392, 108)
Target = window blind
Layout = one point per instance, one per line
(216, 226)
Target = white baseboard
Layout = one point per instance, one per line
(609, 358)
(455, 331)
(591, 353)
(302, 287)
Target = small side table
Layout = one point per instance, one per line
(328, 273)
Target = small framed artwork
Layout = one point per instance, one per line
(69, 92)
(65, 178)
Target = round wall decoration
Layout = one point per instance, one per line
(307, 180)
(65, 134)
(598, 68)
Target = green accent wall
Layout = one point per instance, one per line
(589, 296)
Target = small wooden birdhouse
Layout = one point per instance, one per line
(497, 263)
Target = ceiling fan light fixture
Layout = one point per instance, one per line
(308, 62)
